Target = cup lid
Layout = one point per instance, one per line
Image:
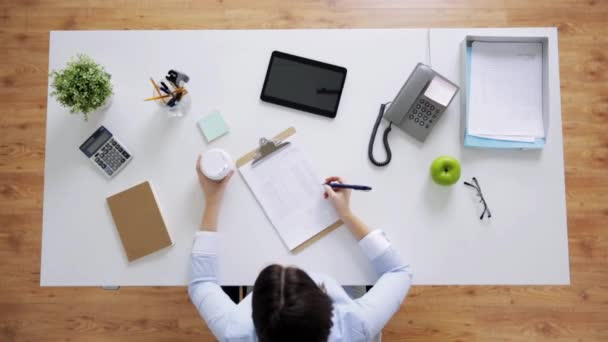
(216, 164)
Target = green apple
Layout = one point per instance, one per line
(445, 170)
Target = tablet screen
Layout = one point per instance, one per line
(303, 84)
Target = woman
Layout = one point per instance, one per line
(286, 303)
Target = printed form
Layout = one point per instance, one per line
(291, 194)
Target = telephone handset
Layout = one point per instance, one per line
(416, 108)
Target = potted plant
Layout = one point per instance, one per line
(83, 86)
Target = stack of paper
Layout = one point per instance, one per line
(505, 100)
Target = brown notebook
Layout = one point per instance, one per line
(139, 222)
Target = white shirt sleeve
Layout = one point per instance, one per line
(212, 303)
(374, 244)
(206, 242)
(384, 299)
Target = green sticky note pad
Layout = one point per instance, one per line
(213, 126)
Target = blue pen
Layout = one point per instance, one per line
(349, 186)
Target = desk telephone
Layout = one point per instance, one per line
(416, 108)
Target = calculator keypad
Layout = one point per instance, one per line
(111, 157)
(423, 113)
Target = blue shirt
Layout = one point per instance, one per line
(353, 319)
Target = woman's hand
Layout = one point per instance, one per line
(340, 198)
(214, 192)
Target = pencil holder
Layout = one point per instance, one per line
(179, 109)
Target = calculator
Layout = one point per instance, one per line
(106, 152)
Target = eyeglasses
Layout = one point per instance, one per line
(482, 200)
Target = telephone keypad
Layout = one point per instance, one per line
(423, 113)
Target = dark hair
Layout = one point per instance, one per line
(288, 305)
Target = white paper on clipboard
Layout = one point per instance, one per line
(291, 194)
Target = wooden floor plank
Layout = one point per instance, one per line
(431, 313)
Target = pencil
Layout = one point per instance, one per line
(177, 91)
(157, 90)
(157, 97)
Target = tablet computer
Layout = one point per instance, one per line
(303, 84)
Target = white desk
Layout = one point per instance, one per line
(437, 229)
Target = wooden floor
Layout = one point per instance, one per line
(567, 313)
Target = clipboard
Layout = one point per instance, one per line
(268, 148)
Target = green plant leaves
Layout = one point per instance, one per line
(82, 86)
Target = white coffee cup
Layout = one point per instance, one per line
(216, 164)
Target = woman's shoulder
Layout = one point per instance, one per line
(348, 325)
(241, 328)
(233, 337)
